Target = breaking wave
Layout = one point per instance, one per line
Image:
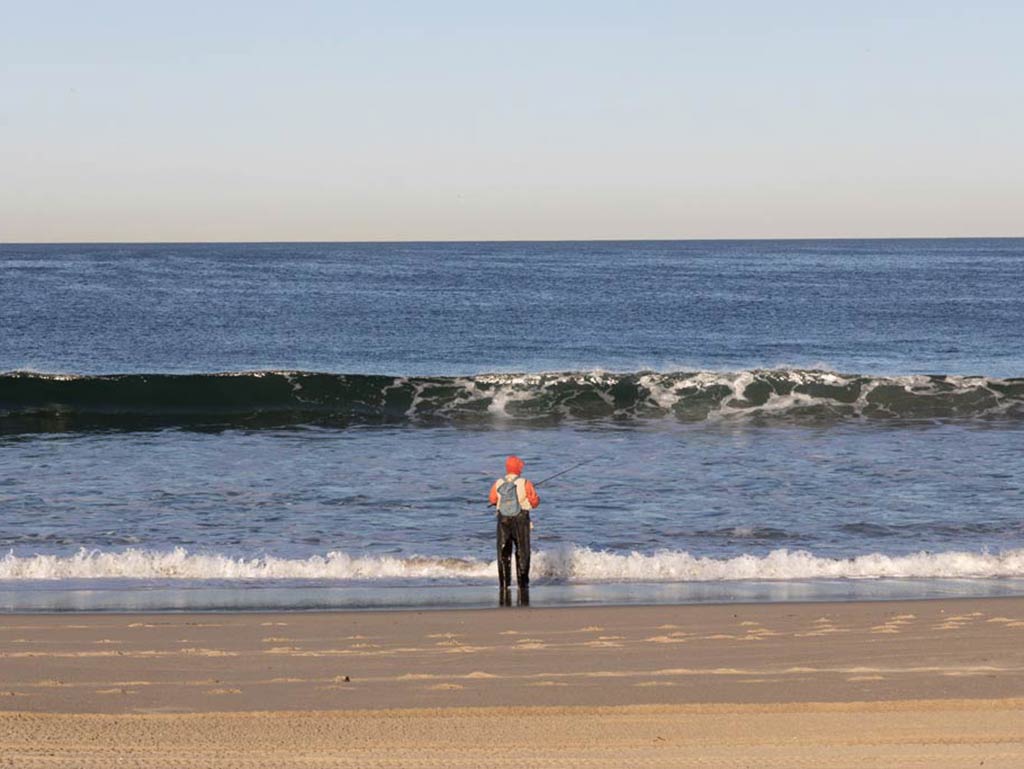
(34, 402)
(571, 564)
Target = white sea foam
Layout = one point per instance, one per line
(569, 564)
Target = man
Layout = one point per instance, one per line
(514, 497)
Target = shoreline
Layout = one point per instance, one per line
(85, 597)
(480, 608)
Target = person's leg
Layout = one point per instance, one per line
(504, 554)
(523, 551)
(522, 596)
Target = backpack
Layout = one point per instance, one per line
(508, 499)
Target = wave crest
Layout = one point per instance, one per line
(572, 564)
(31, 402)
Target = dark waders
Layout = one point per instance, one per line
(514, 530)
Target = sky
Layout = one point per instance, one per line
(336, 121)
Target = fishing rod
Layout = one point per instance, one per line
(567, 470)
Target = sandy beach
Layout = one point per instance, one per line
(919, 683)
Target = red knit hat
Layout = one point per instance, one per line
(514, 465)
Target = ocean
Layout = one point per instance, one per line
(316, 425)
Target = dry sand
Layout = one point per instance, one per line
(925, 683)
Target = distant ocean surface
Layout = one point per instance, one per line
(246, 426)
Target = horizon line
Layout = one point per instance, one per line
(496, 240)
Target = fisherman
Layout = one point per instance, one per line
(514, 497)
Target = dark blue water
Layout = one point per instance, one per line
(883, 306)
(790, 419)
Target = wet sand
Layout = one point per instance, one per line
(919, 683)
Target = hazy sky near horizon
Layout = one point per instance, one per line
(185, 121)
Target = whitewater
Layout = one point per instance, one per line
(567, 564)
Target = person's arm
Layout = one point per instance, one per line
(492, 499)
(531, 494)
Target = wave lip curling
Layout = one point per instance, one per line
(33, 402)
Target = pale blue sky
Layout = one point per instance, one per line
(210, 120)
